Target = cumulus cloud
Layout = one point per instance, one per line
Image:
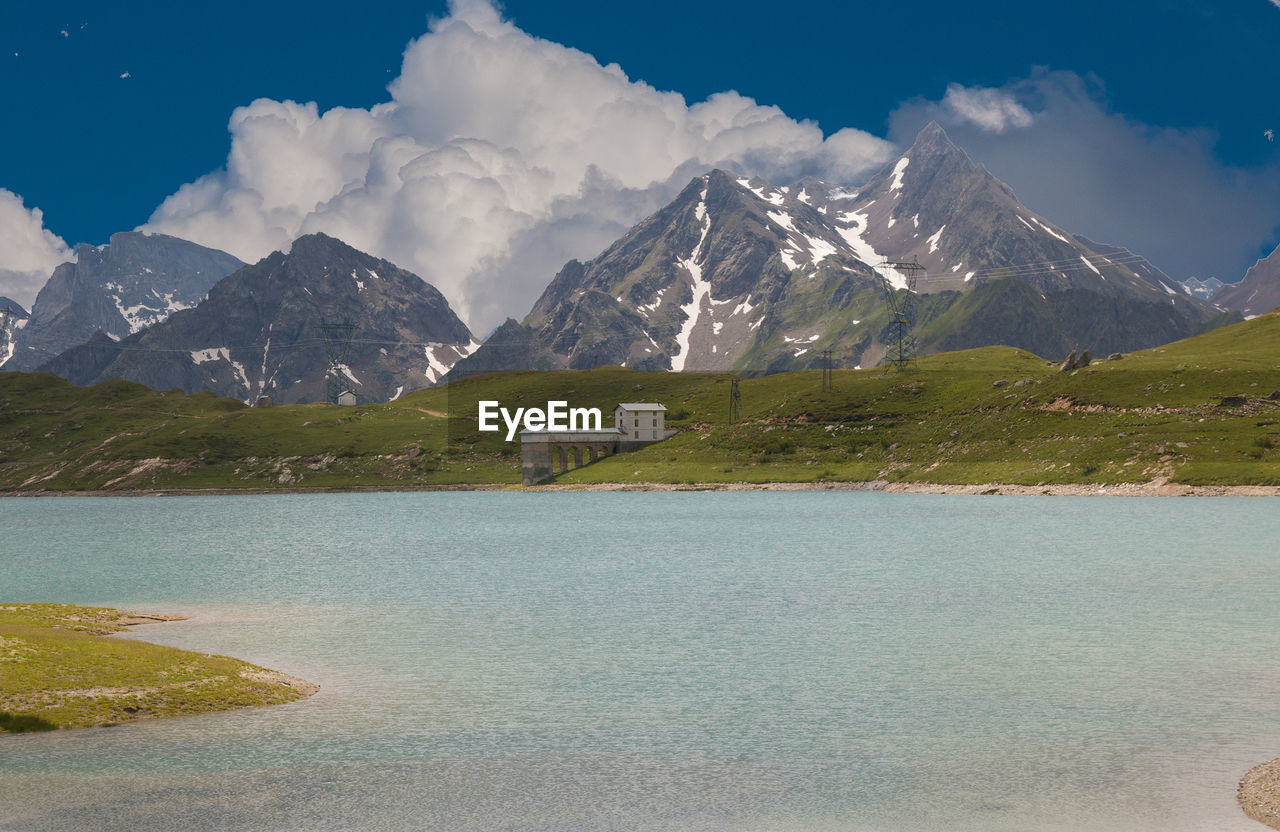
(28, 251)
(498, 157)
(990, 109)
(1161, 192)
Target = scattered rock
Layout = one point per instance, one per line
(1075, 361)
(1115, 356)
(636, 388)
(999, 382)
(1232, 401)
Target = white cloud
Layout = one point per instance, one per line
(28, 252)
(991, 109)
(1160, 192)
(498, 157)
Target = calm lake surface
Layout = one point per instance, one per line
(673, 661)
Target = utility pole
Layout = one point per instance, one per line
(337, 344)
(902, 313)
(828, 377)
(735, 402)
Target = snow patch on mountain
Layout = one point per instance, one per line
(772, 199)
(1050, 230)
(435, 367)
(9, 338)
(933, 241)
(701, 288)
(346, 371)
(783, 219)
(856, 226)
(212, 354)
(898, 170)
(819, 248)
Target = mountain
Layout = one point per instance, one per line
(737, 274)
(1203, 289)
(262, 331)
(1258, 293)
(134, 281)
(12, 319)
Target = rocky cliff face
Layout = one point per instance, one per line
(134, 281)
(737, 274)
(1258, 293)
(271, 329)
(12, 319)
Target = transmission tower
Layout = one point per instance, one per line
(735, 402)
(337, 345)
(902, 314)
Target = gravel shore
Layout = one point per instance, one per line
(1259, 794)
(1155, 488)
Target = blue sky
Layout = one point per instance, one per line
(1146, 121)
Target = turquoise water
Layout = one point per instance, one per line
(688, 661)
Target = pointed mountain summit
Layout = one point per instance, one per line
(261, 332)
(737, 274)
(694, 287)
(134, 281)
(1259, 291)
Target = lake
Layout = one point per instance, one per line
(672, 661)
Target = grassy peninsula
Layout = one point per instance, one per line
(59, 669)
(1203, 411)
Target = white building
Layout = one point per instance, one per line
(640, 421)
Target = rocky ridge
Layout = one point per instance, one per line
(119, 289)
(262, 332)
(737, 274)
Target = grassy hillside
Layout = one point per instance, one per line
(988, 415)
(61, 671)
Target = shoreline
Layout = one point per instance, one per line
(1259, 793)
(1154, 488)
(74, 674)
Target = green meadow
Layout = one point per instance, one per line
(59, 669)
(990, 415)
